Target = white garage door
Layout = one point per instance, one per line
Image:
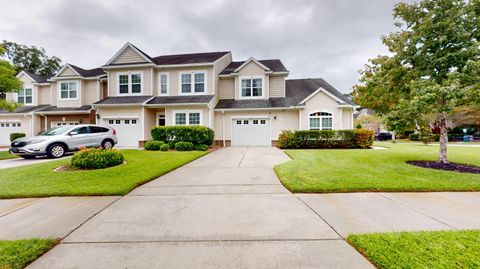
(251, 132)
(6, 128)
(128, 131)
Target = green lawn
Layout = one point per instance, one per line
(376, 170)
(445, 249)
(18, 254)
(6, 155)
(39, 180)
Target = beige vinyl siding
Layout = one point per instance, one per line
(322, 103)
(44, 95)
(67, 72)
(226, 88)
(54, 95)
(251, 69)
(150, 122)
(285, 120)
(347, 119)
(129, 56)
(146, 83)
(277, 86)
(90, 92)
(174, 78)
(169, 120)
(220, 65)
(118, 112)
(27, 83)
(66, 102)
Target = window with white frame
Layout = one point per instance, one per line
(321, 121)
(187, 117)
(25, 96)
(194, 82)
(68, 90)
(130, 83)
(251, 87)
(163, 83)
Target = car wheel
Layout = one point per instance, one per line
(28, 157)
(56, 151)
(107, 144)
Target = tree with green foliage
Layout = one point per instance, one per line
(31, 59)
(8, 81)
(434, 66)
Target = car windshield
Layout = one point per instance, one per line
(56, 131)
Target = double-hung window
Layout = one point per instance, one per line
(68, 90)
(193, 82)
(321, 121)
(187, 117)
(25, 96)
(130, 83)
(251, 87)
(163, 83)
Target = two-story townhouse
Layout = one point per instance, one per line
(62, 99)
(246, 103)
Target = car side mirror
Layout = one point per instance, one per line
(73, 133)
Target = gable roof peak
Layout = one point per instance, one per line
(134, 48)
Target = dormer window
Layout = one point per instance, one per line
(251, 87)
(68, 90)
(193, 82)
(25, 96)
(130, 83)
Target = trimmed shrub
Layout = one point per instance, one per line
(14, 136)
(426, 136)
(194, 134)
(97, 158)
(414, 137)
(364, 138)
(153, 145)
(314, 139)
(201, 147)
(164, 147)
(184, 146)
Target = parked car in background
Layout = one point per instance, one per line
(59, 140)
(382, 136)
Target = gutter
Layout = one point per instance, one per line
(259, 108)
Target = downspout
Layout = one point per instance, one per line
(223, 127)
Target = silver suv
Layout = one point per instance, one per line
(57, 141)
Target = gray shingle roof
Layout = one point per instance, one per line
(196, 99)
(191, 58)
(88, 72)
(274, 64)
(38, 78)
(116, 100)
(296, 91)
(84, 108)
(24, 109)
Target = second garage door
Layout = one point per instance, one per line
(251, 132)
(128, 131)
(6, 128)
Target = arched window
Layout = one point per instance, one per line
(321, 121)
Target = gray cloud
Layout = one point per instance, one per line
(328, 38)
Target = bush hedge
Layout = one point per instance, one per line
(14, 136)
(153, 145)
(201, 147)
(164, 147)
(96, 158)
(193, 134)
(184, 146)
(314, 139)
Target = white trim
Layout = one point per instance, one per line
(130, 45)
(142, 122)
(159, 75)
(263, 96)
(62, 112)
(187, 117)
(26, 74)
(175, 104)
(157, 117)
(98, 90)
(341, 119)
(324, 91)
(248, 61)
(59, 90)
(184, 65)
(257, 109)
(251, 117)
(116, 117)
(129, 74)
(25, 96)
(63, 68)
(192, 82)
(321, 119)
(299, 119)
(123, 66)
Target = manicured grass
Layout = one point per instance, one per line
(445, 249)
(376, 170)
(6, 155)
(39, 180)
(18, 254)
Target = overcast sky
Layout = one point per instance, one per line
(332, 39)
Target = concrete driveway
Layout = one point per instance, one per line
(226, 209)
(16, 162)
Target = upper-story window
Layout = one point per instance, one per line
(321, 121)
(68, 90)
(163, 83)
(251, 87)
(193, 82)
(25, 96)
(130, 83)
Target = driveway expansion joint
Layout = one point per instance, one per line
(203, 241)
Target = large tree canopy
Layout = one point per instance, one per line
(8, 81)
(31, 59)
(433, 67)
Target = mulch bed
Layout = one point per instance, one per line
(454, 167)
